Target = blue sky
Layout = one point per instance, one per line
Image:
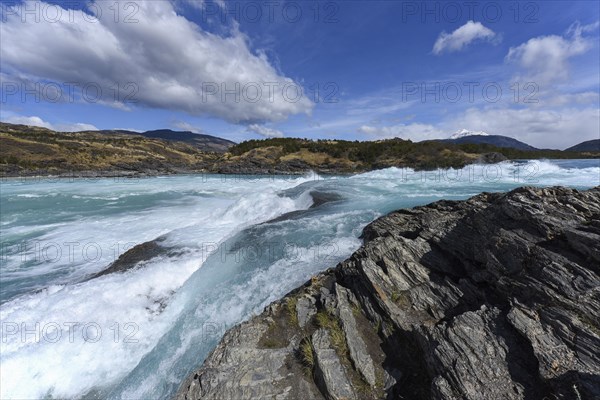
(361, 70)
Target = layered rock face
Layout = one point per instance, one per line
(496, 297)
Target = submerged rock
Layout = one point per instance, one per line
(496, 297)
(132, 257)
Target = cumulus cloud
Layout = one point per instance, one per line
(415, 131)
(556, 128)
(150, 55)
(265, 131)
(462, 37)
(545, 58)
(31, 121)
(37, 121)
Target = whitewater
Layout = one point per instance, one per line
(229, 245)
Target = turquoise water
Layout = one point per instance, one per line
(232, 244)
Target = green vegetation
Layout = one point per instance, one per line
(362, 386)
(333, 325)
(25, 149)
(271, 339)
(307, 355)
(514, 154)
(370, 151)
(290, 305)
(366, 152)
(377, 326)
(270, 343)
(401, 298)
(338, 339)
(355, 156)
(388, 328)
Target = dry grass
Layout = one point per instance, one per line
(402, 298)
(307, 355)
(290, 305)
(33, 149)
(332, 324)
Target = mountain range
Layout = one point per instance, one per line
(465, 132)
(479, 137)
(590, 145)
(28, 150)
(200, 141)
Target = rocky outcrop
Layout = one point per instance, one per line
(132, 257)
(491, 158)
(496, 297)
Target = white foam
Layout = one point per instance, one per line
(190, 212)
(69, 369)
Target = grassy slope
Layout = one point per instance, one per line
(35, 150)
(385, 153)
(40, 149)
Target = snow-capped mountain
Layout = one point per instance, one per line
(465, 132)
(478, 137)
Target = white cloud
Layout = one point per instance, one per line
(377, 106)
(128, 129)
(186, 126)
(548, 128)
(31, 121)
(76, 127)
(462, 37)
(558, 129)
(545, 58)
(201, 4)
(415, 131)
(163, 60)
(560, 99)
(265, 131)
(576, 28)
(37, 121)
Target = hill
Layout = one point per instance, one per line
(493, 140)
(355, 156)
(590, 145)
(27, 150)
(40, 151)
(201, 141)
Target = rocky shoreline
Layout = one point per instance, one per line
(496, 297)
(248, 167)
(32, 152)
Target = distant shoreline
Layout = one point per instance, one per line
(131, 175)
(27, 151)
